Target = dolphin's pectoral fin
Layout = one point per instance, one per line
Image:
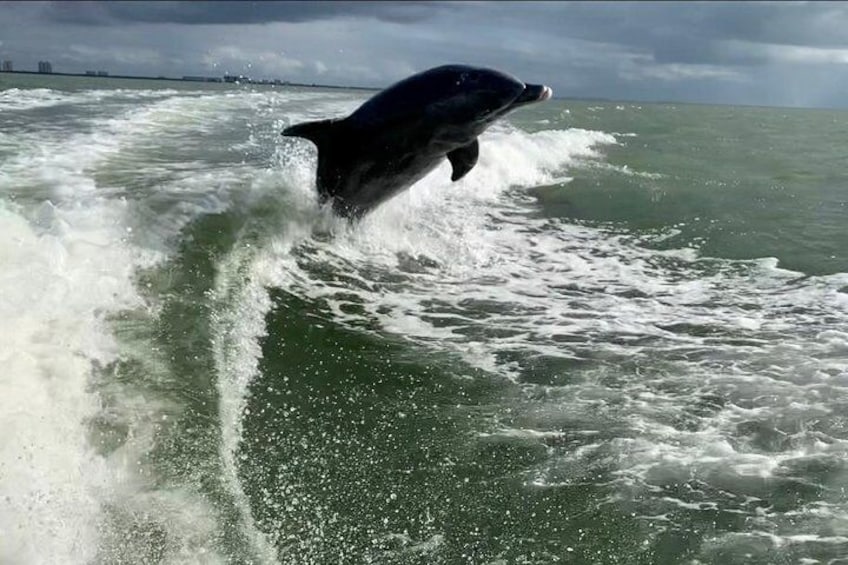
(463, 159)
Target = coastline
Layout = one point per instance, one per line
(193, 80)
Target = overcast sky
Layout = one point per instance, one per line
(768, 53)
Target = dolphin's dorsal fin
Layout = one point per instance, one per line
(463, 159)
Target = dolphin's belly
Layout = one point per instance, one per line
(371, 182)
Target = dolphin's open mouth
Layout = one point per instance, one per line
(533, 93)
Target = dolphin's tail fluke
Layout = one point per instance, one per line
(327, 135)
(319, 133)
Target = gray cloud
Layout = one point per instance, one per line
(754, 53)
(234, 12)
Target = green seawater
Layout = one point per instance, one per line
(622, 338)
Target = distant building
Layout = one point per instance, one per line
(45, 67)
(91, 73)
(103, 73)
(7, 66)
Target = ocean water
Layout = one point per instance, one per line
(622, 338)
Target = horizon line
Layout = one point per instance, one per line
(205, 79)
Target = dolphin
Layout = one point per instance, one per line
(403, 132)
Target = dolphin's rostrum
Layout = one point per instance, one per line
(403, 132)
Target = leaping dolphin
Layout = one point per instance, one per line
(403, 132)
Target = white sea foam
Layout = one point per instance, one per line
(58, 281)
(69, 254)
(242, 301)
(18, 99)
(675, 367)
(685, 357)
(673, 363)
(65, 267)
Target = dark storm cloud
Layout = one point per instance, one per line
(234, 12)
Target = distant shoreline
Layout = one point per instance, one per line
(243, 81)
(200, 80)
